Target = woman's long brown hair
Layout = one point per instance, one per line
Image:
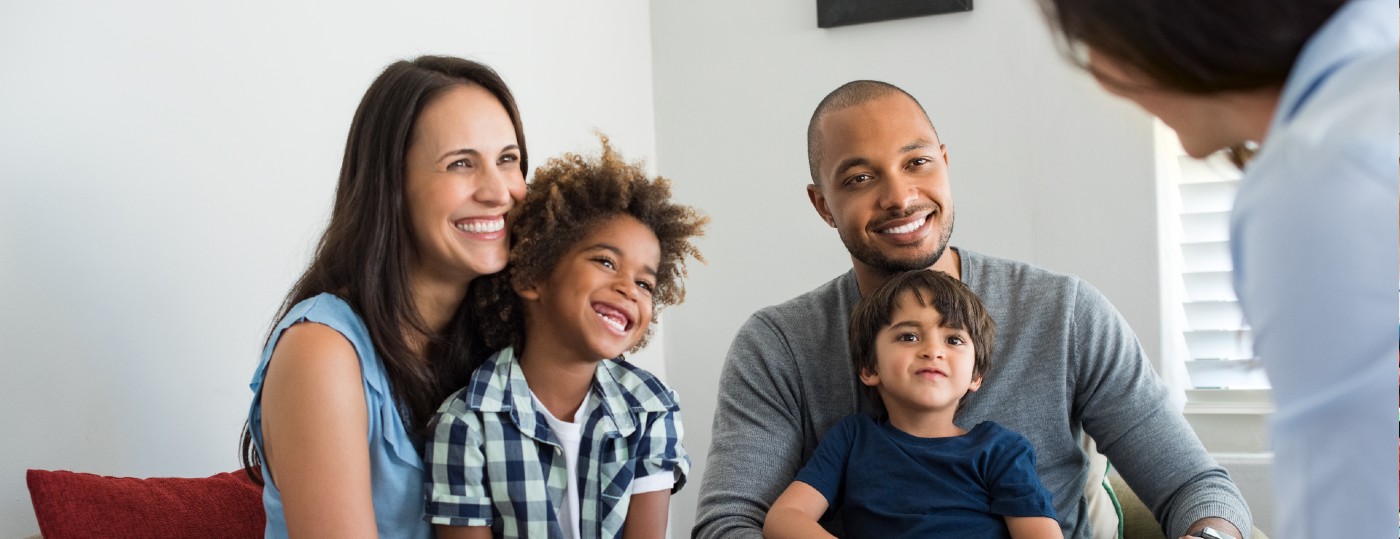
(364, 255)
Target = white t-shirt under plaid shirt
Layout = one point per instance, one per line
(493, 460)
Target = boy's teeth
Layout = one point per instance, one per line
(614, 322)
(481, 227)
(906, 228)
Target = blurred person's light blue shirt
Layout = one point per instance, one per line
(1314, 242)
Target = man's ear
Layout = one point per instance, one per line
(944, 148)
(814, 193)
(869, 377)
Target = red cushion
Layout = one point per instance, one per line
(71, 505)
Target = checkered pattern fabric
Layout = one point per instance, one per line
(493, 461)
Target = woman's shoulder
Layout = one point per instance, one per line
(326, 309)
(314, 337)
(325, 330)
(329, 311)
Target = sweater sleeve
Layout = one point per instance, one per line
(1125, 407)
(756, 448)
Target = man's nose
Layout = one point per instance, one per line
(898, 191)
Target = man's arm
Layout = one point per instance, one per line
(758, 434)
(1124, 406)
(1218, 524)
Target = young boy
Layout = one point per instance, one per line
(556, 435)
(920, 344)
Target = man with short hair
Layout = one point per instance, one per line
(1066, 361)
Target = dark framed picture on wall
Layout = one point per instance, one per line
(832, 13)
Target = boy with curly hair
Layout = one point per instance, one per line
(921, 344)
(556, 434)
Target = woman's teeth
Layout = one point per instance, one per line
(482, 227)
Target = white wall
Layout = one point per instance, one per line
(165, 169)
(1046, 168)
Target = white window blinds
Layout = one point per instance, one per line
(1220, 351)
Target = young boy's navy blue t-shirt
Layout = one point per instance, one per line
(884, 482)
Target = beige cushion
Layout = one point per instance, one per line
(1103, 513)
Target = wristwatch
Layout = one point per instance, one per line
(1212, 533)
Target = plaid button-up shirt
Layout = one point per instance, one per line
(493, 460)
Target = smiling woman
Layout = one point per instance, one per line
(462, 173)
(376, 332)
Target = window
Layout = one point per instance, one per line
(1203, 321)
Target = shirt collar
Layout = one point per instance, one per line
(627, 391)
(1358, 29)
(621, 390)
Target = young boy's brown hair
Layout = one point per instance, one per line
(959, 307)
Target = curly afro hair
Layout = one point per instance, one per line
(568, 198)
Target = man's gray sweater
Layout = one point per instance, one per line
(1065, 361)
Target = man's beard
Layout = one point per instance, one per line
(871, 256)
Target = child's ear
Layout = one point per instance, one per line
(529, 292)
(869, 377)
(975, 384)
